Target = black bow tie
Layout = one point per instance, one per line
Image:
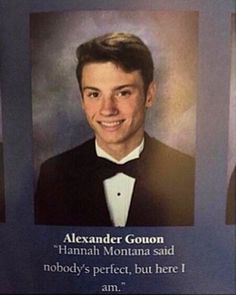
(106, 169)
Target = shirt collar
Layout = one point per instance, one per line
(131, 156)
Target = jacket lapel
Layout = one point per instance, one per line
(92, 192)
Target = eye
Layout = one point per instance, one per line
(91, 94)
(124, 93)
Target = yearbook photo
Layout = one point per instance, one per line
(114, 117)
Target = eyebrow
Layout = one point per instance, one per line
(124, 86)
(116, 88)
(90, 88)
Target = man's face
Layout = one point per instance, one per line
(114, 103)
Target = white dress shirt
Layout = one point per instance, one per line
(119, 188)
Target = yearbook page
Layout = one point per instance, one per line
(119, 147)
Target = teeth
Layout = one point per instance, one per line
(111, 124)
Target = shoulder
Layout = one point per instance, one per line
(79, 155)
(168, 163)
(159, 150)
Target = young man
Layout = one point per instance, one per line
(122, 177)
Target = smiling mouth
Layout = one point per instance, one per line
(112, 124)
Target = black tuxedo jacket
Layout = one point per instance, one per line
(231, 200)
(70, 191)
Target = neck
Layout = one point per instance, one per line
(119, 151)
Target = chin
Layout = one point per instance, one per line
(112, 139)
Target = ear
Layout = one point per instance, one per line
(151, 94)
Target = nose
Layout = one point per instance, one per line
(108, 106)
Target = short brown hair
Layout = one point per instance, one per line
(124, 49)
